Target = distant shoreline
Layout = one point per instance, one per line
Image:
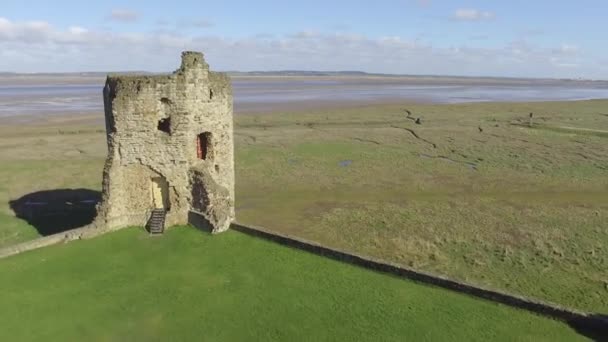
(88, 118)
(26, 98)
(8, 79)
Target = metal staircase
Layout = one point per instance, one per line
(156, 224)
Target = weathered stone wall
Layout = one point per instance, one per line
(86, 232)
(189, 102)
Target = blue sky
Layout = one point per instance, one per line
(541, 38)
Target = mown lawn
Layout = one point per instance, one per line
(191, 286)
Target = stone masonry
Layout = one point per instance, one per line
(170, 146)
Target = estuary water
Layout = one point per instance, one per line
(276, 93)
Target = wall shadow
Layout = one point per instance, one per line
(594, 327)
(56, 211)
(199, 222)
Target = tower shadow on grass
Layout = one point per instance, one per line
(56, 211)
(594, 327)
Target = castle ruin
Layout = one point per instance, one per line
(170, 149)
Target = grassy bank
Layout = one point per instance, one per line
(192, 286)
(471, 193)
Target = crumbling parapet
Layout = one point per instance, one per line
(169, 138)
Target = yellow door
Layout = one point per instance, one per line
(160, 193)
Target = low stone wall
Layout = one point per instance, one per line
(86, 232)
(90, 231)
(546, 309)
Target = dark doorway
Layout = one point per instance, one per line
(56, 211)
(203, 142)
(160, 193)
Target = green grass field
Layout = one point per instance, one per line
(509, 207)
(191, 286)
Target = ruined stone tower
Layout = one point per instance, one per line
(170, 148)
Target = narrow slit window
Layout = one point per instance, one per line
(203, 141)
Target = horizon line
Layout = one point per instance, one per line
(304, 73)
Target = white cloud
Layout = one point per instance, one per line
(559, 64)
(77, 30)
(569, 49)
(199, 23)
(531, 32)
(29, 31)
(479, 37)
(123, 15)
(40, 46)
(162, 22)
(305, 34)
(470, 14)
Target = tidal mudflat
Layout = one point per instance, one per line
(23, 98)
